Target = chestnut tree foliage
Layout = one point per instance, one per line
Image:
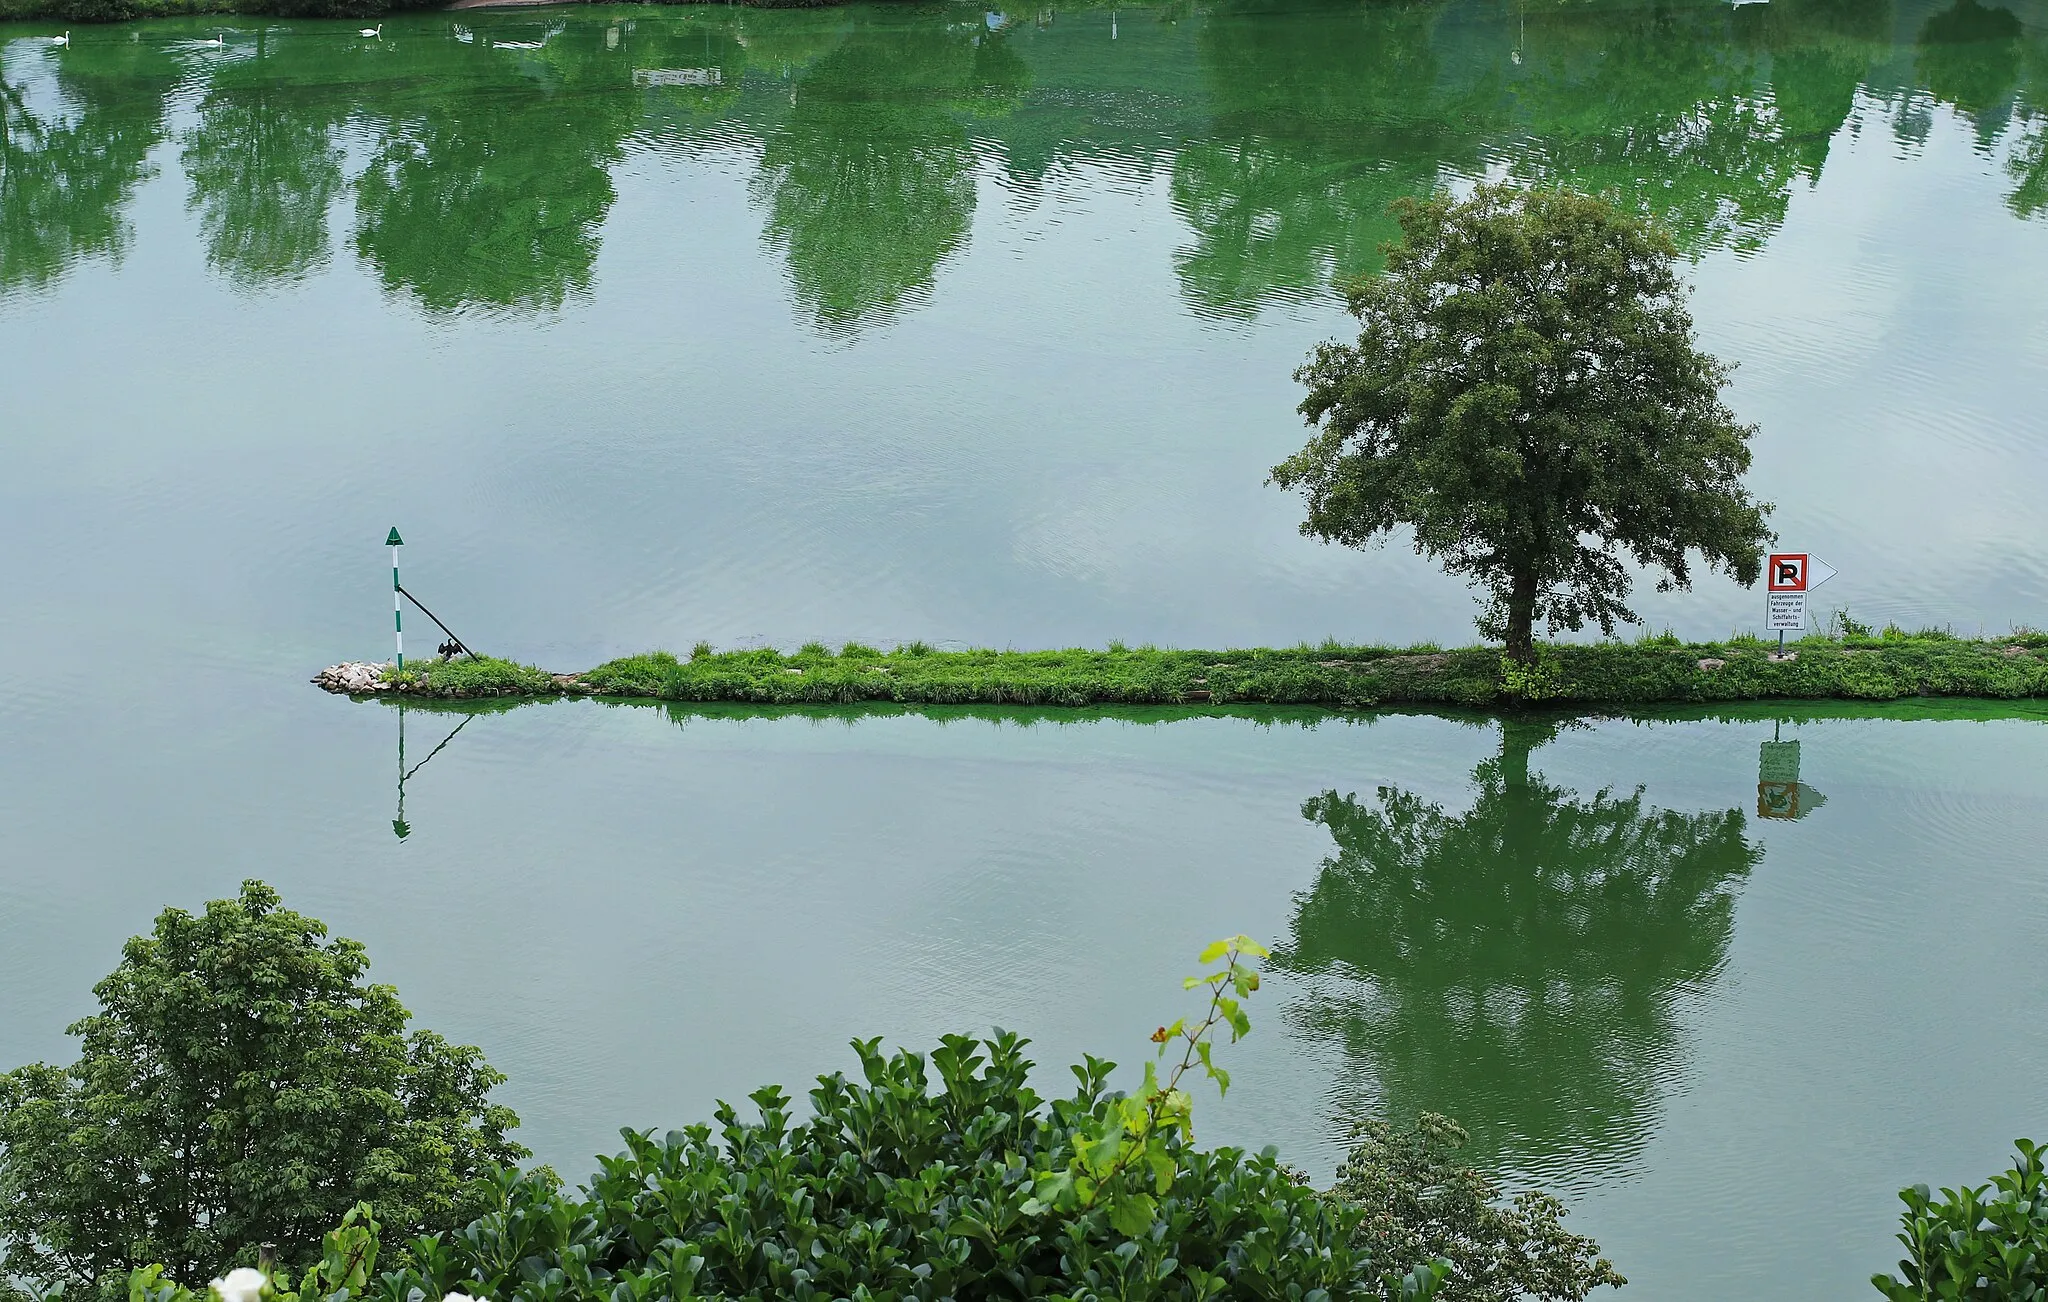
(1526, 396)
(1420, 1203)
(241, 1084)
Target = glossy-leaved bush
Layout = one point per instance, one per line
(933, 1177)
(1982, 1244)
(892, 1189)
(897, 1186)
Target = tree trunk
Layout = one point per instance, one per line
(1521, 640)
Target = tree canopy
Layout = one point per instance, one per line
(1422, 1204)
(1527, 397)
(241, 1084)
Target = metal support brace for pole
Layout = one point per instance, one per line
(464, 646)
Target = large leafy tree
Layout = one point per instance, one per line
(241, 1084)
(1526, 396)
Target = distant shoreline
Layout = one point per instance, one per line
(87, 13)
(1652, 672)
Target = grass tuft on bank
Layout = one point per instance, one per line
(471, 676)
(1657, 670)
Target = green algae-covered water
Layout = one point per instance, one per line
(648, 325)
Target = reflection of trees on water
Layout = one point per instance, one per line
(869, 180)
(1322, 120)
(491, 179)
(263, 165)
(1516, 965)
(694, 71)
(1704, 117)
(2028, 164)
(1977, 59)
(1287, 130)
(68, 171)
(1969, 56)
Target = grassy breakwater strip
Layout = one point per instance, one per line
(1653, 671)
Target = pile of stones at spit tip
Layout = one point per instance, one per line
(354, 677)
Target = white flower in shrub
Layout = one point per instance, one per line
(459, 1297)
(243, 1284)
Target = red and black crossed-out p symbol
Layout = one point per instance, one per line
(1787, 572)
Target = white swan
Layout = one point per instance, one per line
(214, 44)
(65, 39)
(378, 30)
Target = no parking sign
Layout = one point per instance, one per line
(1788, 577)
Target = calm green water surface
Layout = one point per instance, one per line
(649, 325)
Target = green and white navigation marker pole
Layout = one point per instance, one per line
(394, 542)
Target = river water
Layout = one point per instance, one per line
(647, 325)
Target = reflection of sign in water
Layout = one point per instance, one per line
(678, 76)
(1779, 762)
(1779, 792)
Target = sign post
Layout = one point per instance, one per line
(394, 542)
(1788, 577)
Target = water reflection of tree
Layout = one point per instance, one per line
(262, 162)
(1515, 966)
(492, 175)
(1323, 118)
(2028, 164)
(67, 174)
(1979, 60)
(703, 45)
(1703, 118)
(869, 180)
(1968, 55)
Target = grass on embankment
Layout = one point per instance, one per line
(472, 676)
(1657, 670)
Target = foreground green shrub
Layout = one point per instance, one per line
(242, 1084)
(893, 1191)
(1987, 1244)
(940, 1177)
(1418, 1203)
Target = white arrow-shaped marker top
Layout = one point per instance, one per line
(1818, 572)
